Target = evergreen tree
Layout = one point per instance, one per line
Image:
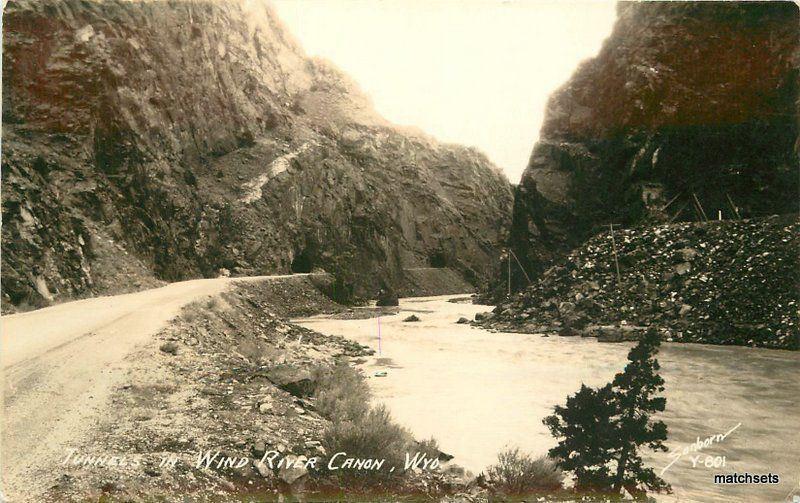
(585, 425)
(601, 430)
(634, 391)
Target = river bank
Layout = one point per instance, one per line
(220, 404)
(477, 392)
(728, 282)
(232, 377)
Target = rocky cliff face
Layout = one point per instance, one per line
(175, 139)
(689, 110)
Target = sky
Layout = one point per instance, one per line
(475, 72)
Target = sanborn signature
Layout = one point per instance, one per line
(697, 446)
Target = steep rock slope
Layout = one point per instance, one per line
(689, 108)
(175, 139)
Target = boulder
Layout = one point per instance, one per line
(293, 468)
(565, 308)
(619, 333)
(567, 331)
(688, 254)
(291, 379)
(387, 297)
(576, 321)
(259, 448)
(263, 469)
(412, 318)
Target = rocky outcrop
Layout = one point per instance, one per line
(689, 112)
(180, 139)
(735, 282)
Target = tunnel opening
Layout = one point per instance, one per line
(302, 262)
(437, 260)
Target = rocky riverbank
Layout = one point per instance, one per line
(232, 381)
(728, 282)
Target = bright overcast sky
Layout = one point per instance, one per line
(476, 72)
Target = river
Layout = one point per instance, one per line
(477, 392)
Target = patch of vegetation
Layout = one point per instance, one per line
(193, 311)
(258, 352)
(341, 393)
(213, 303)
(373, 436)
(359, 430)
(518, 474)
(202, 308)
(430, 448)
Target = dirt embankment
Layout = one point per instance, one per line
(228, 375)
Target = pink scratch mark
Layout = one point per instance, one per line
(379, 336)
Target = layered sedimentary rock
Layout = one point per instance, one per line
(178, 139)
(689, 112)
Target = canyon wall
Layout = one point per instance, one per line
(689, 112)
(147, 141)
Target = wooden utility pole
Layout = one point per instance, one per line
(509, 272)
(520, 266)
(671, 201)
(702, 212)
(616, 260)
(733, 206)
(676, 215)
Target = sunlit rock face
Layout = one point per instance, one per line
(689, 111)
(175, 139)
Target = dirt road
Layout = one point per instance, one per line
(60, 365)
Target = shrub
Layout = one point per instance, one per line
(213, 303)
(362, 432)
(193, 311)
(341, 393)
(373, 436)
(518, 474)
